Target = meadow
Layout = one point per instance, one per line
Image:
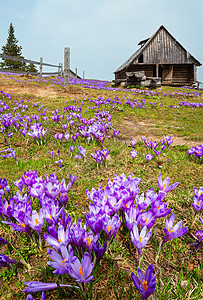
(91, 177)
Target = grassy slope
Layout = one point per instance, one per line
(180, 268)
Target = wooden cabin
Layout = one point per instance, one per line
(161, 56)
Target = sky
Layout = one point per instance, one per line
(101, 34)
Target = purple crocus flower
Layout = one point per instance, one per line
(111, 226)
(149, 157)
(36, 221)
(59, 162)
(89, 240)
(62, 239)
(160, 209)
(82, 150)
(5, 261)
(3, 241)
(133, 154)
(77, 156)
(164, 185)
(81, 270)
(58, 136)
(115, 133)
(198, 200)
(60, 263)
(37, 286)
(99, 250)
(131, 217)
(29, 297)
(168, 140)
(199, 235)
(139, 240)
(74, 137)
(71, 149)
(67, 136)
(133, 143)
(64, 126)
(147, 219)
(173, 232)
(145, 284)
(29, 177)
(19, 184)
(157, 152)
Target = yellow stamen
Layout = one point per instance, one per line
(63, 195)
(170, 231)
(36, 221)
(126, 205)
(164, 187)
(199, 236)
(159, 207)
(59, 241)
(88, 241)
(23, 225)
(198, 203)
(146, 220)
(81, 270)
(140, 238)
(63, 261)
(144, 285)
(109, 228)
(50, 216)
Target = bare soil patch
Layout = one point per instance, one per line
(134, 130)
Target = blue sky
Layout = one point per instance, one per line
(102, 34)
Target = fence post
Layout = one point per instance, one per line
(40, 67)
(66, 66)
(83, 75)
(76, 73)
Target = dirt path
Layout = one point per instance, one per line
(41, 91)
(132, 130)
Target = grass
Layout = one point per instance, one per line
(179, 269)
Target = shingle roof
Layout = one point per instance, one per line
(147, 42)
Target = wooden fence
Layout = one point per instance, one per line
(40, 63)
(66, 72)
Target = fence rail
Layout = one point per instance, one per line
(66, 73)
(29, 61)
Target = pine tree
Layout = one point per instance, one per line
(31, 68)
(11, 48)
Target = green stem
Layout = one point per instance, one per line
(22, 258)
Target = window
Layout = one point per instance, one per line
(140, 59)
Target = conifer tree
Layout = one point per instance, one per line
(31, 68)
(11, 48)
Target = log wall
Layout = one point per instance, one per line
(164, 49)
(183, 74)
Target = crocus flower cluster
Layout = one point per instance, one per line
(100, 155)
(37, 132)
(197, 151)
(9, 153)
(19, 209)
(154, 146)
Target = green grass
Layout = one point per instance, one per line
(179, 269)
